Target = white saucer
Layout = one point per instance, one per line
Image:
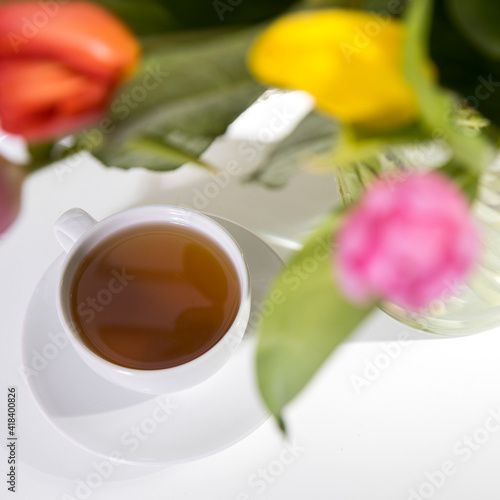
(135, 428)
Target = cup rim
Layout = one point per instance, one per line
(96, 229)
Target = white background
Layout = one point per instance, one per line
(425, 410)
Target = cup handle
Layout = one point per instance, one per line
(71, 226)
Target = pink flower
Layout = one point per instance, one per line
(11, 177)
(407, 241)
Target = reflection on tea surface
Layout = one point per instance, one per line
(154, 297)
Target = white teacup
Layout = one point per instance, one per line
(78, 233)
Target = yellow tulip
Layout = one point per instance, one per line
(350, 61)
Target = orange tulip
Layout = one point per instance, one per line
(59, 65)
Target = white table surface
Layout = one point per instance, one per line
(434, 406)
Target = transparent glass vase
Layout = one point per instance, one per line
(464, 308)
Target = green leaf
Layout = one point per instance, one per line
(149, 17)
(318, 140)
(159, 16)
(41, 154)
(380, 6)
(467, 181)
(145, 17)
(314, 135)
(478, 20)
(311, 320)
(437, 105)
(183, 97)
(385, 7)
(354, 145)
(203, 13)
(165, 153)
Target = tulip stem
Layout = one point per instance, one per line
(157, 147)
(41, 155)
